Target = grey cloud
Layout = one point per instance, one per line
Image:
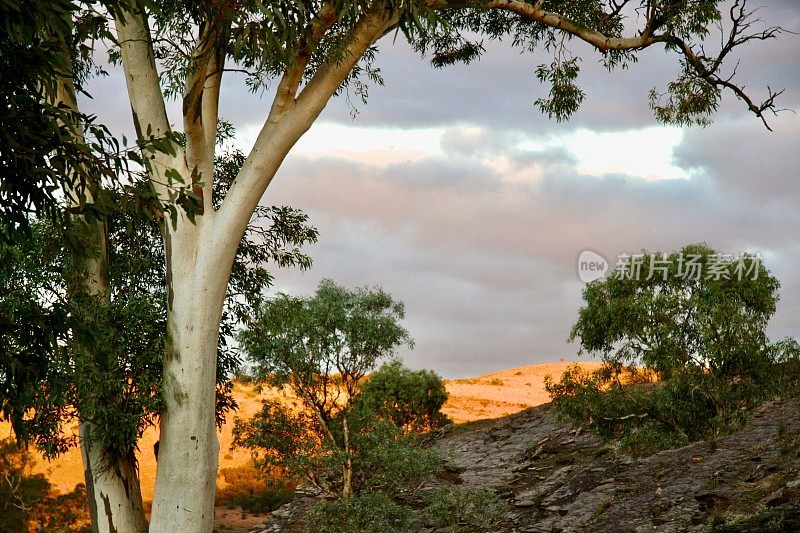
(487, 268)
(748, 161)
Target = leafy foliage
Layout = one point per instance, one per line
(323, 346)
(366, 513)
(565, 96)
(113, 376)
(409, 399)
(279, 438)
(266, 40)
(684, 349)
(357, 431)
(446, 508)
(695, 308)
(388, 460)
(39, 152)
(462, 509)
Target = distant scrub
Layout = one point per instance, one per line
(452, 509)
(251, 490)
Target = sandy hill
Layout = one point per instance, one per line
(490, 396)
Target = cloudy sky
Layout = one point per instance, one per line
(451, 190)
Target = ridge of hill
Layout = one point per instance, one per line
(561, 479)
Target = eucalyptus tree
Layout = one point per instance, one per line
(312, 50)
(322, 347)
(70, 355)
(54, 162)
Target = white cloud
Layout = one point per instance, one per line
(645, 153)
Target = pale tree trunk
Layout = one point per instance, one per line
(112, 483)
(115, 497)
(188, 447)
(200, 256)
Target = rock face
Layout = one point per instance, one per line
(558, 479)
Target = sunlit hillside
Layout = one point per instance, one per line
(490, 396)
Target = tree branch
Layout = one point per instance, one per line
(276, 138)
(144, 91)
(290, 82)
(655, 18)
(200, 106)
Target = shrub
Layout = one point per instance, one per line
(280, 438)
(453, 508)
(363, 513)
(411, 399)
(462, 509)
(20, 490)
(389, 460)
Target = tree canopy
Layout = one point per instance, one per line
(692, 308)
(684, 348)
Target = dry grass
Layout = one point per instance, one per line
(502, 393)
(490, 396)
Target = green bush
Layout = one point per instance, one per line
(646, 417)
(279, 438)
(453, 508)
(389, 460)
(411, 399)
(702, 337)
(462, 509)
(364, 513)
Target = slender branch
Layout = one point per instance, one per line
(535, 12)
(290, 82)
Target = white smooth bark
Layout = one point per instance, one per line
(189, 448)
(115, 497)
(199, 261)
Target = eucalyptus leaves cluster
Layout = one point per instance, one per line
(112, 377)
(684, 357)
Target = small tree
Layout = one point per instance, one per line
(693, 319)
(692, 309)
(323, 347)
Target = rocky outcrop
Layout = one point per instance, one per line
(559, 479)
